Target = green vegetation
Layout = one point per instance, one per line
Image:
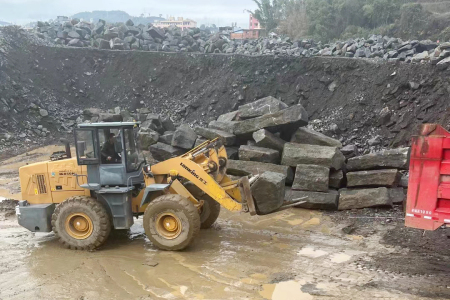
(328, 20)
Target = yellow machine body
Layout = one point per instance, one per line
(55, 181)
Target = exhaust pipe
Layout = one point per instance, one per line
(67, 144)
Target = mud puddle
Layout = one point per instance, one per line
(294, 254)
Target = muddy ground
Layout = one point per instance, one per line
(294, 254)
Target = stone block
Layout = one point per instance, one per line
(231, 116)
(330, 157)
(184, 137)
(361, 198)
(227, 126)
(227, 138)
(394, 158)
(311, 178)
(166, 138)
(268, 192)
(266, 139)
(397, 195)
(253, 153)
(147, 138)
(267, 105)
(244, 168)
(287, 120)
(305, 135)
(162, 152)
(385, 177)
(337, 179)
(314, 200)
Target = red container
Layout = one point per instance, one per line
(428, 203)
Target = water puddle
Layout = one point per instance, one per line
(311, 252)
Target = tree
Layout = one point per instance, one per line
(269, 13)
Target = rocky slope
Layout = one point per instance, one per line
(372, 104)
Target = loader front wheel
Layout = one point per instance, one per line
(171, 222)
(209, 212)
(81, 223)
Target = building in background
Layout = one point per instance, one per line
(179, 22)
(254, 32)
(245, 34)
(254, 23)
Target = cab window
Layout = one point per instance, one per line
(110, 146)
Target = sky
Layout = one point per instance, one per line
(219, 12)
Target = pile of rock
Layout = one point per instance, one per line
(128, 36)
(269, 139)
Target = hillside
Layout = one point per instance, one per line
(115, 16)
(354, 100)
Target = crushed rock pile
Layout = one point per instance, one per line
(129, 36)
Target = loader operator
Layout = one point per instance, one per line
(109, 154)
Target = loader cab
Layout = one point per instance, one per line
(111, 153)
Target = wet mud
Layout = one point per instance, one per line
(293, 254)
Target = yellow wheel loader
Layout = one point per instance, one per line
(109, 182)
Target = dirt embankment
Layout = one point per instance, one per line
(354, 99)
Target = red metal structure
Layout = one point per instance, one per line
(428, 203)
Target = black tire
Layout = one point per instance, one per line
(89, 209)
(178, 209)
(209, 212)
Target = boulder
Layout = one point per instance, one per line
(313, 200)
(75, 43)
(231, 116)
(232, 152)
(153, 121)
(103, 44)
(349, 151)
(162, 152)
(156, 33)
(43, 112)
(73, 35)
(268, 192)
(295, 154)
(253, 153)
(267, 105)
(107, 117)
(305, 135)
(244, 168)
(166, 138)
(336, 179)
(200, 140)
(395, 158)
(167, 124)
(147, 138)
(91, 112)
(397, 195)
(184, 137)
(361, 198)
(286, 120)
(311, 178)
(227, 139)
(266, 139)
(404, 181)
(227, 126)
(385, 177)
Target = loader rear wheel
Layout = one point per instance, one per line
(171, 222)
(81, 223)
(209, 212)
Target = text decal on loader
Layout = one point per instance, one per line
(193, 173)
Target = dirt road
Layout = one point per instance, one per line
(294, 254)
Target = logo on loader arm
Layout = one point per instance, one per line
(193, 173)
